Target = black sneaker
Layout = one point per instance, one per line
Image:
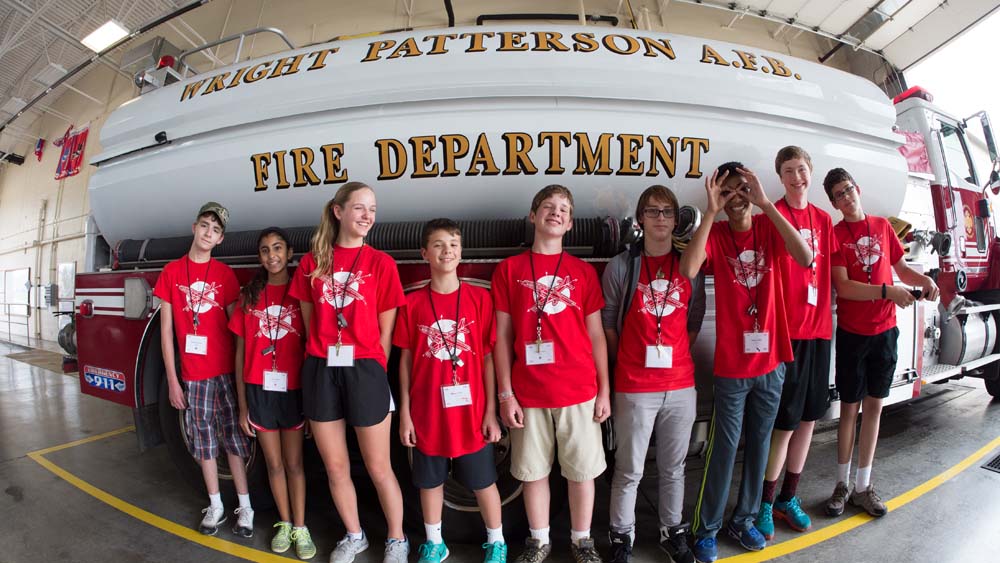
(675, 542)
(621, 548)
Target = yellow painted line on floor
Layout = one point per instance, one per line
(821, 535)
(183, 532)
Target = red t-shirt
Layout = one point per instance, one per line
(736, 264)
(453, 431)
(805, 321)
(668, 297)
(860, 244)
(275, 319)
(207, 288)
(575, 294)
(372, 287)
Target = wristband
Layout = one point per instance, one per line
(883, 291)
(505, 396)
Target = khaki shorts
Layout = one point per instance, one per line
(572, 429)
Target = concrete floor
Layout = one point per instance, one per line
(47, 518)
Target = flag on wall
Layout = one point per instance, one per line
(39, 147)
(73, 144)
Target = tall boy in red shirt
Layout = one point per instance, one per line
(197, 295)
(868, 251)
(552, 373)
(751, 345)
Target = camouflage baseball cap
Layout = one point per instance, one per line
(214, 207)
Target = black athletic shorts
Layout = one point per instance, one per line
(274, 410)
(475, 471)
(358, 394)
(805, 395)
(865, 364)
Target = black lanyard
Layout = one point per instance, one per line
(272, 329)
(753, 294)
(540, 305)
(201, 294)
(657, 309)
(453, 353)
(341, 319)
(812, 232)
(864, 265)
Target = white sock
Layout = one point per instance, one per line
(863, 478)
(244, 500)
(844, 473)
(215, 500)
(495, 535)
(433, 532)
(356, 536)
(576, 536)
(541, 534)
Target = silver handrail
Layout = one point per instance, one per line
(239, 47)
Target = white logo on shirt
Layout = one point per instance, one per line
(553, 301)
(812, 239)
(868, 250)
(454, 338)
(276, 321)
(750, 268)
(201, 293)
(341, 288)
(660, 296)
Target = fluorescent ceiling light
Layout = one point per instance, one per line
(105, 36)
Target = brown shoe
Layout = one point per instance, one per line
(534, 551)
(585, 552)
(869, 500)
(835, 506)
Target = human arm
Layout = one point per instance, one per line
(611, 337)
(695, 254)
(794, 242)
(612, 285)
(696, 308)
(241, 388)
(174, 390)
(407, 435)
(307, 312)
(491, 429)
(386, 321)
(503, 360)
(859, 291)
(602, 406)
(929, 289)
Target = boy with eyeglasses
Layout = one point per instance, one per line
(867, 253)
(651, 316)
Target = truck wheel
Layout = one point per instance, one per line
(993, 383)
(175, 435)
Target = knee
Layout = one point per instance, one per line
(294, 467)
(381, 473)
(338, 472)
(275, 468)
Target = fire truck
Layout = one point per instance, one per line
(468, 124)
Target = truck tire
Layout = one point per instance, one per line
(175, 435)
(992, 383)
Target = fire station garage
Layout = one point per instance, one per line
(217, 255)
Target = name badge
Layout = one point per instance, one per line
(456, 395)
(812, 295)
(659, 356)
(536, 354)
(756, 342)
(195, 344)
(275, 381)
(342, 357)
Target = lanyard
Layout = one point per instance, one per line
(201, 294)
(341, 319)
(540, 305)
(659, 308)
(752, 309)
(812, 232)
(865, 265)
(272, 328)
(453, 353)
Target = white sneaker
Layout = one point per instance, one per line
(396, 550)
(213, 517)
(347, 548)
(244, 522)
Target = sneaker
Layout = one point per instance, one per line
(213, 517)
(304, 546)
(244, 522)
(835, 506)
(675, 542)
(496, 552)
(621, 547)
(793, 515)
(869, 500)
(534, 551)
(282, 539)
(705, 550)
(765, 520)
(750, 537)
(585, 552)
(347, 548)
(396, 551)
(433, 552)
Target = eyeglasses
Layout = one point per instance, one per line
(847, 191)
(654, 212)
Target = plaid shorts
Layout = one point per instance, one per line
(212, 414)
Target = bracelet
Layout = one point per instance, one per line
(505, 396)
(883, 291)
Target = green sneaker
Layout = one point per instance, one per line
(765, 520)
(282, 539)
(304, 546)
(496, 552)
(432, 552)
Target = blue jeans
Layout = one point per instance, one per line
(756, 400)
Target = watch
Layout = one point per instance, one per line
(505, 395)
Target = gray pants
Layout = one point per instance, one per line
(637, 415)
(755, 400)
